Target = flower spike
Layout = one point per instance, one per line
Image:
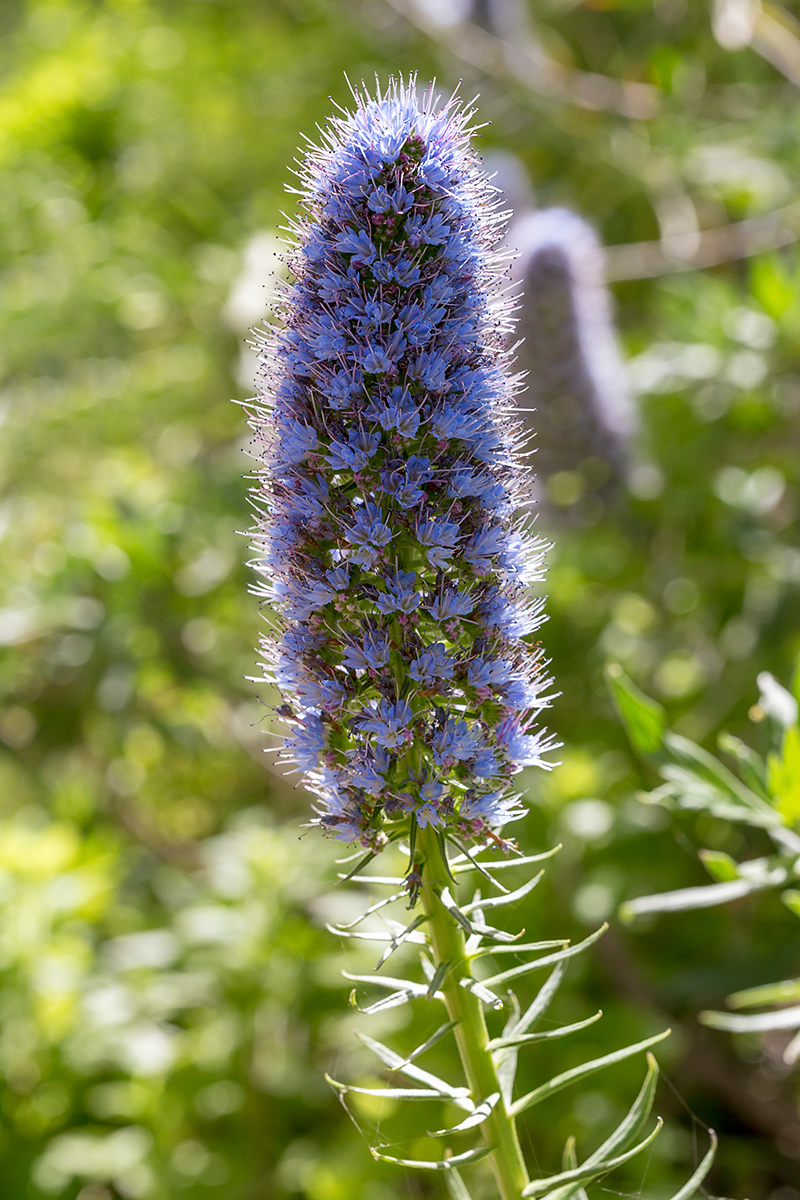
(390, 477)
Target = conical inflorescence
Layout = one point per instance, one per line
(391, 476)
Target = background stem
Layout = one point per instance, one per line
(447, 941)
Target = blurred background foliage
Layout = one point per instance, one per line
(169, 997)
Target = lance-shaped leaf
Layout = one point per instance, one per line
(362, 862)
(643, 718)
(536, 963)
(395, 1062)
(689, 755)
(693, 1182)
(539, 1004)
(522, 1039)
(697, 897)
(339, 927)
(581, 1072)
(767, 993)
(474, 862)
(509, 898)
(480, 1113)
(751, 765)
(569, 1159)
(522, 948)
(407, 990)
(426, 1045)
(409, 934)
(382, 880)
(403, 933)
(456, 1186)
(634, 1121)
(585, 1173)
(470, 927)
(460, 865)
(395, 1093)
(782, 1018)
(436, 979)
(424, 1164)
(482, 992)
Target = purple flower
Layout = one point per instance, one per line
(386, 541)
(390, 725)
(434, 663)
(400, 595)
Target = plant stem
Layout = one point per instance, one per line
(447, 940)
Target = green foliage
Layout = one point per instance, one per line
(144, 146)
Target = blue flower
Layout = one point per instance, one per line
(451, 604)
(389, 477)
(306, 747)
(400, 594)
(370, 655)
(433, 664)
(390, 724)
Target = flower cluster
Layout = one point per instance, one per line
(389, 484)
(576, 376)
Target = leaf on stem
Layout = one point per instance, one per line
(395, 1093)
(782, 1018)
(585, 1173)
(509, 898)
(481, 1112)
(395, 1062)
(536, 963)
(581, 1072)
(694, 897)
(693, 1183)
(522, 1039)
(424, 1164)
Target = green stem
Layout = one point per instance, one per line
(447, 940)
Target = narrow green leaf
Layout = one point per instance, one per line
(479, 866)
(539, 1004)
(581, 1072)
(381, 880)
(456, 1186)
(711, 770)
(482, 992)
(782, 1018)
(441, 1032)
(719, 865)
(394, 1093)
(368, 912)
(791, 898)
(395, 1062)
(362, 862)
(460, 865)
(477, 1117)
(643, 718)
(510, 898)
(424, 1164)
(635, 1119)
(407, 933)
(751, 765)
(767, 993)
(522, 1039)
(536, 963)
(519, 949)
(585, 1173)
(693, 1183)
(437, 978)
(685, 898)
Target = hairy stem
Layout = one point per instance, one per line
(447, 940)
